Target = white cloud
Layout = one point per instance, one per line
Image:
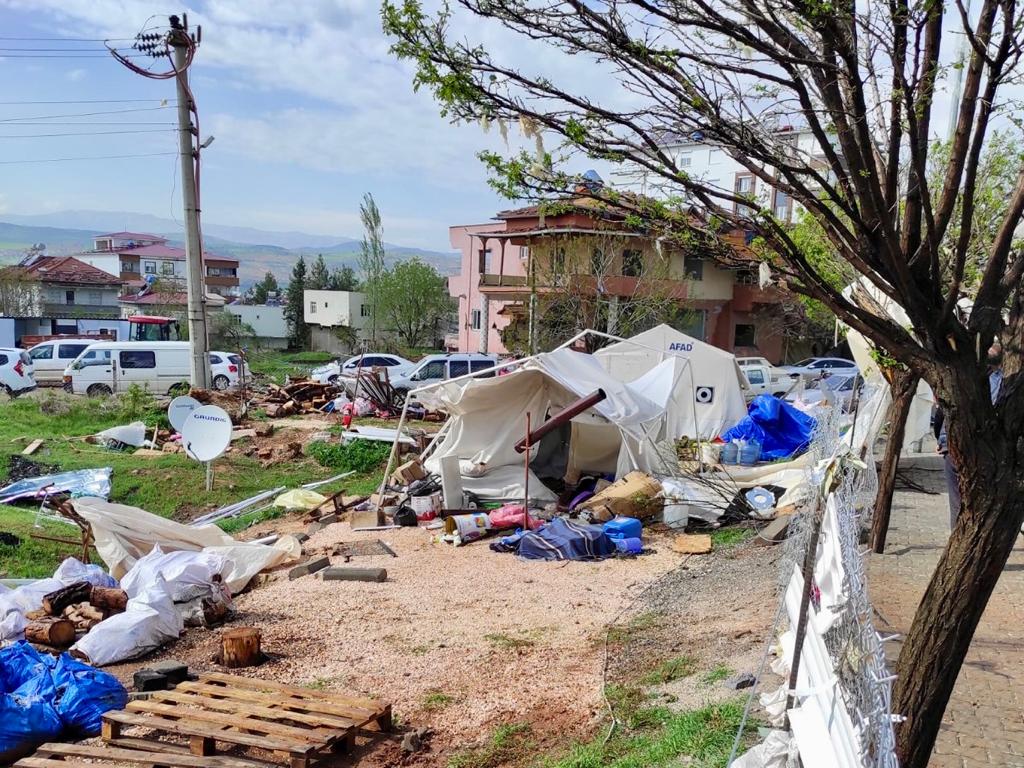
(76, 75)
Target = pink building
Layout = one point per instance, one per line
(482, 318)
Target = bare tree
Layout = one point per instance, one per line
(861, 78)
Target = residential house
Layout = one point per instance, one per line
(523, 270)
(712, 164)
(59, 286)
(337, 320)
(135, 255)
(266, 320)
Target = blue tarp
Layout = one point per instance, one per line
(782, 430)
(565, 540)
(44, 698)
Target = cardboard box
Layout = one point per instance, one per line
(408, 473)
(387, 500)
(634, 495)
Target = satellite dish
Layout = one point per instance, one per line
(179, 409)
(206, 433)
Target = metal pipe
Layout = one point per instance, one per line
(526, 479)
(573, 409)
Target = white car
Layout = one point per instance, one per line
(226, 369)
(815, 366)
(15, 371)
(434, 368)
(333, 372)
(50, 358)
(834, 389)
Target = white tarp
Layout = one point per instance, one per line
(488, 417)
(124, 534)
(711, 390)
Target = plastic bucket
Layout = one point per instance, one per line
(730, 453)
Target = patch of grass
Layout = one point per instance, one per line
(725, 538)
(671, 669)
(508, 642)
(705, 736)
(168, 485)
(358, 455)
(277, 365)
(716, 675)
(249, 519)
(621, 633)
(437, 700)
(505, 746)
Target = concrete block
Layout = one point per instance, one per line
(774, 532)
(740, 681)
(339, 573)
(174, 670)
(308, 567)
(148, 680)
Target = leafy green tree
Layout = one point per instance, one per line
(343, 279)
(319, 278)
(413, 301)
(260, 292)
(371, 258)
(294, 309)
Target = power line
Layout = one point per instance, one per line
(82, 114)
(81, 133)
(70, 56)
(72, 159)
(83, 122)
(89, 101)
(69, 39)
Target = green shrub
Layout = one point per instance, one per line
(359, 455)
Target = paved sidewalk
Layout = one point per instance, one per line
(984, 723)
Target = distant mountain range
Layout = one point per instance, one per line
(257, 251)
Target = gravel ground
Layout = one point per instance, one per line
(505, 640)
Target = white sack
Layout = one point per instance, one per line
(125, 534)
(186, 573)
(778, 750)
(149, 621)
(130, 434)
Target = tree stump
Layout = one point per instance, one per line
(109, 599)
(53, 631)
(240, 648)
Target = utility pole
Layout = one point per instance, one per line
(195, 282)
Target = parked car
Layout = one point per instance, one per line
(334, 371)
(110, 367)
(226, 369)
(15, 371)
(434, 368)
(50, 358)
(814, 366)
(765, 380)
(837, 388)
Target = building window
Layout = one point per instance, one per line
(482, 256)
(150, 267)
(167, 267)
(693, 323)
(685, 160)
(69, 297)
(558, 261)
(746, 277)
(524, 252)
(312, 307)
(694, 268)
(474, 319)
(597, 261)
(95, 297)
(744, 187)
(632, 262)
(364, 310)
(745, 335)
(782, 205)
(130, 266)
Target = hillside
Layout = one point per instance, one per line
(254, 259)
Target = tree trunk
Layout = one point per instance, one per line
(240, 648)
(902, 386)
(110, 599)
(991, 474)
(55, 602)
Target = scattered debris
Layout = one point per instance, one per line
(351, 549)
(340, 573)
(773, 533)
(301, 396)
(740, 681)
(19, 468)
(308, 567)
(635, 495)
(32, 447)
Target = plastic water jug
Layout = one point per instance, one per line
(749, 454)
(730, 452)
(623, 528)
(629, 546)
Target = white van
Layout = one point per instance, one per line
(51, 358)
(108, 367)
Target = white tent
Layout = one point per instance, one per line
(713, 394)
(618, 434)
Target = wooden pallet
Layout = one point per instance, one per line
(297, 725)
(178, 756)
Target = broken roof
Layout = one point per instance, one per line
(64, 269)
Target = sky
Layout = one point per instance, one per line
(308, 109)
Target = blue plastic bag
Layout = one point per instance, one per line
(27, 718)
(782, 430)
(20, 663)
(83, 694)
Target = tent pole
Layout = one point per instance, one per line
(434, 441)
(693, 405)
(526, 478)
(394, 449)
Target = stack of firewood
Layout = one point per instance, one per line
(70, 612)
(301, 396)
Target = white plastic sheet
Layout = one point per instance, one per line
(149, 621)
(133, 434)
(185, 573)
(125, 534)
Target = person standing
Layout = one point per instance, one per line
(995, 383)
